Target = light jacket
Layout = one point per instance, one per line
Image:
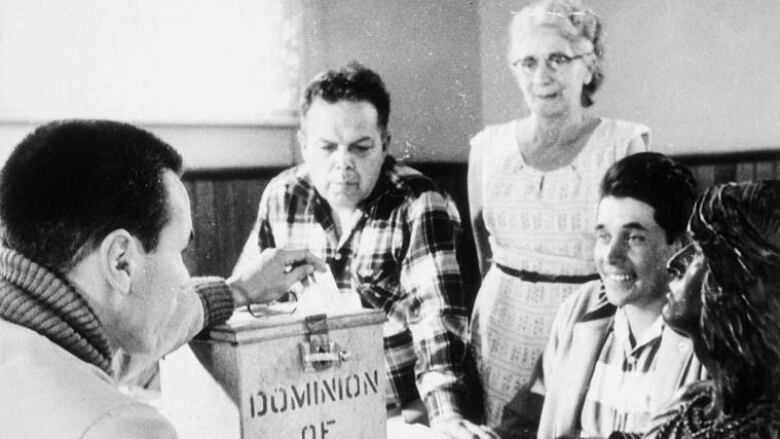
(563, 374)
(57, 379)
(47, 392)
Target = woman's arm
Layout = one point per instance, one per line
(484, 255)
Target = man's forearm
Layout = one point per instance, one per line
(440, 364)
(445, 401)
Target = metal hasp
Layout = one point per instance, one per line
(318, 352)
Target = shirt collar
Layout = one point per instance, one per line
(601, 310)
(624, 337)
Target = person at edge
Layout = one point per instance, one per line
(611, 362)
(533, 192)
(726, 297)
(387, 233)
(93, 287)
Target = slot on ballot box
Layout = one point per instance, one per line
(280, 376)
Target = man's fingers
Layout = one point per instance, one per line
(298, 273)
(483, 432)
(457, 431)
(296, 257)
(318, 263)
(463, 429)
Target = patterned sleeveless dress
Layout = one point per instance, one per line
(537, 221)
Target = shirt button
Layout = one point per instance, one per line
(337, 257)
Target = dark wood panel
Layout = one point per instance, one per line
(223, 212)
(224, 203)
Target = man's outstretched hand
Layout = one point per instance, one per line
(268, 276)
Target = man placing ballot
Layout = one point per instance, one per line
(92, 281)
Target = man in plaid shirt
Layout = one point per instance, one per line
(387, 233)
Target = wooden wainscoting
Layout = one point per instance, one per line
(224, 203)
(224, 208)
(711, 169)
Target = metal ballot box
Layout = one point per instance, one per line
(280, 376)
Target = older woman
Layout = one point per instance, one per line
(726, 297)
(533, 191)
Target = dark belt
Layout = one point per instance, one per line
(532, 276)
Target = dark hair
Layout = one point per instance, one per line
(70, 183)
(737, 226)
(653, 178)
(352, 82)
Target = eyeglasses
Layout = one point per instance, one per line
(555, 62)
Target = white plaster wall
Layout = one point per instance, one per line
(703, 74)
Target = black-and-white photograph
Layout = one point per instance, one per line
(366, 219)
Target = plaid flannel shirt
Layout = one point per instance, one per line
(399, 257)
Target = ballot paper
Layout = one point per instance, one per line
(319, 294)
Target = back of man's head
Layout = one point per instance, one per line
(653, 178)
(354, 83)
(69, 184)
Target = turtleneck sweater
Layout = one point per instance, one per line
(34, 297)
(56, 364)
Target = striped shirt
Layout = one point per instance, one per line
(620, 394)
(399, 256)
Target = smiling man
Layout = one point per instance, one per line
(611, 362)
(387, 233)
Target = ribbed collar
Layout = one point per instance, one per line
(34, 297)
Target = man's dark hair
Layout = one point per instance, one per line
(70, 183)
(653, 178)
(352, 82)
